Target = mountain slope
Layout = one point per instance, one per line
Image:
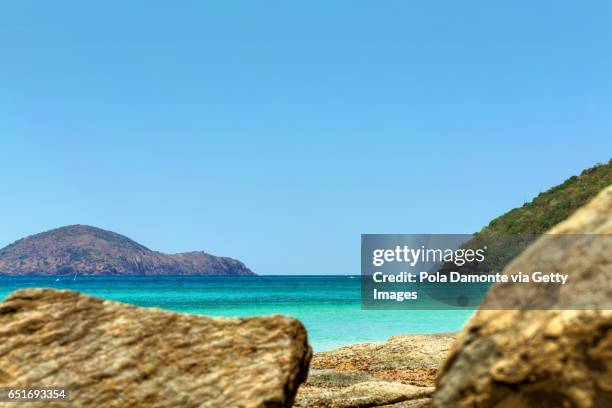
(93, 251)
(509, 234)
(555, 205)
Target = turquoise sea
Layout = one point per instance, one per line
(329, 306)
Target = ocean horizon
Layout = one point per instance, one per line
(328, 305)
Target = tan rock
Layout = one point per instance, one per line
(108, 354)
(409, 358)
(415, 403)
(397, 373)
(542, 358)
(364, 394)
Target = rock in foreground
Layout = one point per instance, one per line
(542, 358)
(108, 354)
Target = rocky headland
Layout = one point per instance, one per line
(93, 251)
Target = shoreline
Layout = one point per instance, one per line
(329, 306)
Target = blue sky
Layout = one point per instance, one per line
(278, 132)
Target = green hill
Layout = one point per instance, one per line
(509, 234)
(555, 205)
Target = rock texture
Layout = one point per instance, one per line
(109, 354)
(93, 251)
(367, 394)
(542, 358)
(408, 358)
(397, 373)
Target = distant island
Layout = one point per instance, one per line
(93, 251)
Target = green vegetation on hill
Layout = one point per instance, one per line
(555, 205)
(509, 234)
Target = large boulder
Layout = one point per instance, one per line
(542, 358)
(108, 354)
